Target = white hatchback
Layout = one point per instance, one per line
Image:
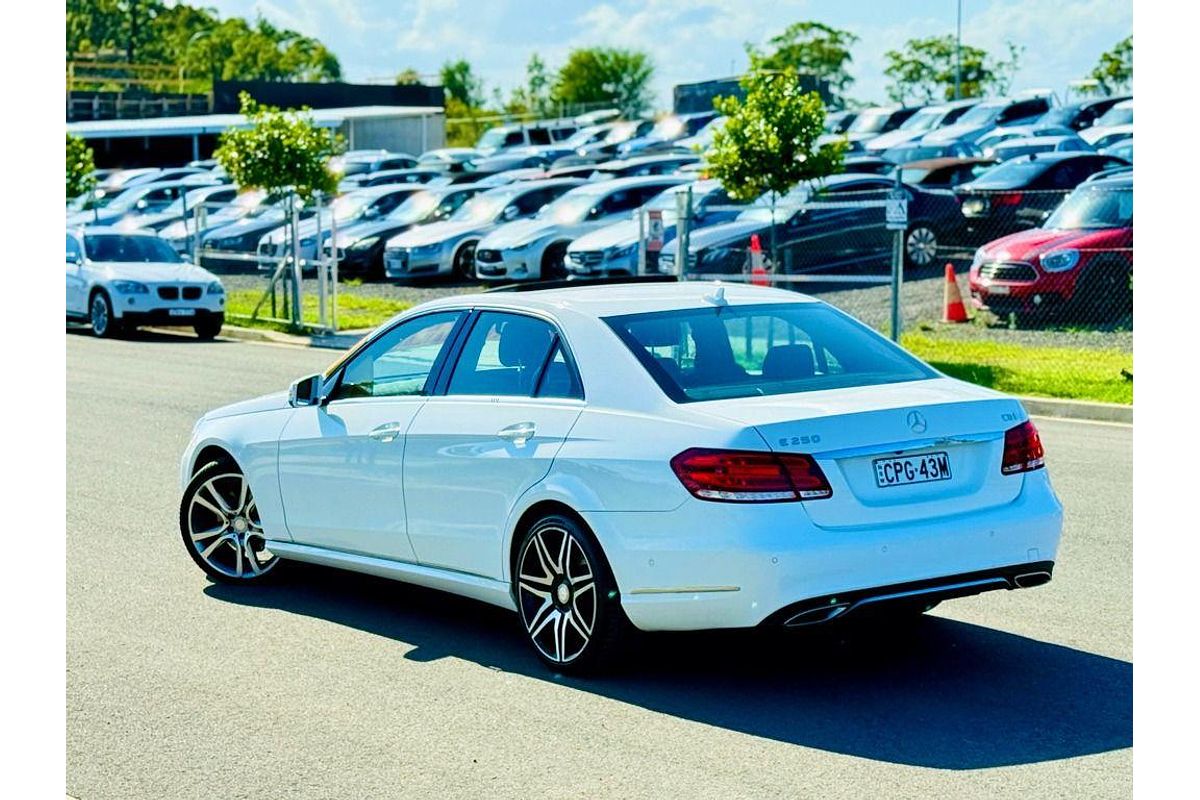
(119, 279)
(671, 456)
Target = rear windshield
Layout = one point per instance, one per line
(752, 351)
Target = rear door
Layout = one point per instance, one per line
(487, 436)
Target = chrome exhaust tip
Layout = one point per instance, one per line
(1027, 580)
(815, 616)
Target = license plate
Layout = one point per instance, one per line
(182, 312)
(998, 289)
(911, 469)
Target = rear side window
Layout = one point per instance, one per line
(539, 136)
(504, 355)
(750, 351)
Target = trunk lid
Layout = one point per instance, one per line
(848, 430)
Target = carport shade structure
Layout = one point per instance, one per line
(165, 140)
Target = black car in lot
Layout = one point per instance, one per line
(1020, 193)
(834, 226)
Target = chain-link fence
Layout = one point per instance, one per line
(1042, 281)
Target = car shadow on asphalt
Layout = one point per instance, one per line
(176, 336)
(936, 693)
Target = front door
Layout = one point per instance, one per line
(507, 409)
(341, 464)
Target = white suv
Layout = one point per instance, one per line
(119, 279)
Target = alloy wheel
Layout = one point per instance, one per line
(556, 587)
(225, 530)
(100, 316)
(921, 246)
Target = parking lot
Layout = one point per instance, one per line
(333, 684)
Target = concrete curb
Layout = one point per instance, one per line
(1036, 406)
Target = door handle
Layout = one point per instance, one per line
(518, 433)
(386, 432)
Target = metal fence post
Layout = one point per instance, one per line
(685, 234)
(333, 277)
(320, 259)
(641, 252)
(896, 217)
(297, 276)
(200, 223)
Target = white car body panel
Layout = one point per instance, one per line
(441, 505)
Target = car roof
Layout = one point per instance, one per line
(97, 230)
(1028, 140)
(626, 298)
(379, 191)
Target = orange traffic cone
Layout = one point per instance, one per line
(953, 308)
(758, 271)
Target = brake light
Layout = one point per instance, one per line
(1006, 199)
(748, 476)
(1022, 450)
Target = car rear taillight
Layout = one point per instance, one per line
(1022, 450)
(749, 476)
(1006, 199)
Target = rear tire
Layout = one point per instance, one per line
(567, 599)
(209, 327)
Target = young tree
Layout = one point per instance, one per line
(770, 141)
(924, 70)
(461, 83)
(534, 96)
(813, 48)
(1114, 70)
(279, 150)
(79, 166)
(594, 75)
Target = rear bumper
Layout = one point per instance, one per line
(720, 565)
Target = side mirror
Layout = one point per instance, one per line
(186, 257)
(74, 258)
(142, 205)
(306, 392)
(371, 213)
(510, 213)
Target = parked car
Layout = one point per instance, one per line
(613, 249)
(926, 119)
(1120, 116)
(944, 173)
(917, 151)
(584, 137)
(869, 165)
(361, 245)
(811, 238)
(1101, 138)
(1020, 193)
(118, 280)
(1080, 261)
(988, 142)
(514, 158)
(606, 148)
(169, 174)
(448, 247)
(989, 115)
(239, 239)
(869, 124)
(447, 157)
(504, 137)
(180, 234)
(1080, 115)
(1011, 148)
(1122, 149)
(184, 208)
(600, 459)
(665, 133)
(703, 138)
(392, 176)
(532, 249)
(145, 198)
(364, 205)
(839, 121)
(355, 169)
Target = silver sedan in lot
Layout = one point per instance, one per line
(449, 247)
(534, 249)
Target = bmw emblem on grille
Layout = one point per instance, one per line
(916, 422)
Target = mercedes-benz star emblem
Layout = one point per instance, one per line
(917, 422)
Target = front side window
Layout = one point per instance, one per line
(751, 351)
(398, 363)
(505, 355)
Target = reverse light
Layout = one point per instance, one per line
(1023, 450)
(750, 476)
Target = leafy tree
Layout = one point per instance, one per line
(279, 150)
(407, 76)
(924, 70)
(813, 48)
(79, 166)
(595, 75)
(770, 141)
(534, 96)
(461, 83)
(1114, 70)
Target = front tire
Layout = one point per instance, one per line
(220, 526)
(920, 246)
(100, 314)
(567, 598)
(209, 327)
(464, 262)
(552, 262)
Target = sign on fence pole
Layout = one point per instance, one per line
(896, 213)
(683, 233)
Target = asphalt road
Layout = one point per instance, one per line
(332, 685)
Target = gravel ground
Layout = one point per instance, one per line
(921, 305)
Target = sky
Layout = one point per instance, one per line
(689, 40)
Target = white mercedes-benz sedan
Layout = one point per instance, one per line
(672, 456)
